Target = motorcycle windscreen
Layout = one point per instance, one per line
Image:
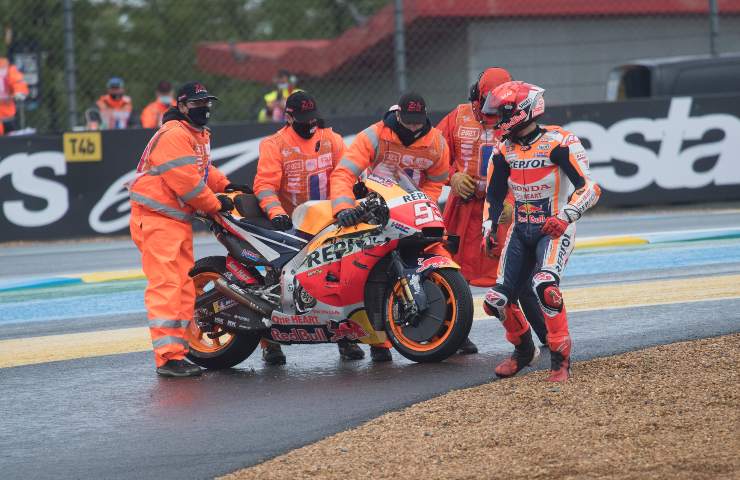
(392, 181)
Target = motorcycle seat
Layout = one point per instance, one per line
(249, 208)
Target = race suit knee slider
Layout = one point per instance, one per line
(546, 286)
(495, 302)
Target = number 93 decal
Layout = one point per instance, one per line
(426, 212)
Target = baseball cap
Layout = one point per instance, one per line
(302, 107)
(114, 82)
(193, 91)
(164, 86)
(413, 108)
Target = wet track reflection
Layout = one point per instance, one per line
(112, 417)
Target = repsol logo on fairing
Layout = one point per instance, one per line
(534, 163)
(335, 251)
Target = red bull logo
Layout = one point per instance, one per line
(348, 329)
(529, 209)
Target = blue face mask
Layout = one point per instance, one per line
(165, 99)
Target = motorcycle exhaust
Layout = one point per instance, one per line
(245, 298)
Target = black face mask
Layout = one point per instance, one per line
(406, 136)
(305, 130)
(116, 96)
(199, 115)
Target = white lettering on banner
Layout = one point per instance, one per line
(671, 167)
(21, 168)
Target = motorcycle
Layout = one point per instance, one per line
(389, 277)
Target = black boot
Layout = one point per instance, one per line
(272, 354)
(467, 348)
(380, 354)
(179, 368)
(349, 350)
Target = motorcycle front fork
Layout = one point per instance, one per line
(403, 290)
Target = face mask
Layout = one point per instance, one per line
(283, 85)
(166, 99)
(199, 115)
(305, 130)
(116, 96)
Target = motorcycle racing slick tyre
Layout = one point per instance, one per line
(223, 351)
(442, 327)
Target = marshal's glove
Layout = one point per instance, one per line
(238, 187)
(281, 222)
(506, 214)
(227, 204)
(348, 217)
(554, 227)
(489, 244)
(462, 185)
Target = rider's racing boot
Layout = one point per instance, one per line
(349, 350)
(525, 353)
(179, 368)
(272, 354)
(467, 348)
(560, 360)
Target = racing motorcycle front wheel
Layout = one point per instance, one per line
(217, 349)
(436, 332)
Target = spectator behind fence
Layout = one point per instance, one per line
(115, 107)
(151, 116)
(12, 89)
(273, 109)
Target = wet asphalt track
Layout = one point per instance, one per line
(111, 417)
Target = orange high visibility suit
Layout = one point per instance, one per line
(174, 178)
(426, 161)
(115, 112)
(471, 144)
(151, 116)
(11, 84)
(292, 170)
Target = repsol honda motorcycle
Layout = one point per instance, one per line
(389, 277)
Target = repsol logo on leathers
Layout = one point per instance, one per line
(534, 163)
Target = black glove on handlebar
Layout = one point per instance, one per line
(238, 187)
(348, 217)
(282, 222)
(227, 204)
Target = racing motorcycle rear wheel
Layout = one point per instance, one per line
(439, 330)
(220, 349)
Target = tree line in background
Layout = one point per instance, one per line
(145, 41)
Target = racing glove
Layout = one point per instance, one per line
(238, 187)
(554, 227)
(227, 204)
(19, 97)
(348, 217)
(282, 222)
(462, 185)
(489, 243)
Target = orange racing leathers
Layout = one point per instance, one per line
(426, 161)
(471, 144)
(549, 176)
(174, 178)
(292, 170)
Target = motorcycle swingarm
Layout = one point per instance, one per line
(212, 309)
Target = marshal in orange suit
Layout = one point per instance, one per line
(174, 179)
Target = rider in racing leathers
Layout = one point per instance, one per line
(547, 169)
